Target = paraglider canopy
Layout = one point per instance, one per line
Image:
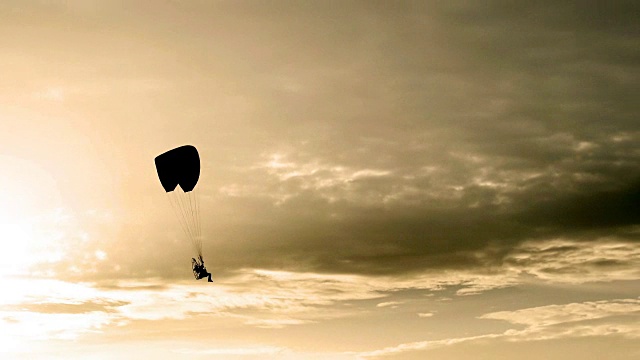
(180, 166)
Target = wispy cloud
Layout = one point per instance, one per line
(257, 298)
(249, 350)
(566, 261)
(392, 304)
(600, 318)
(550, 315)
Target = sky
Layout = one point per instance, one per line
(379, 179)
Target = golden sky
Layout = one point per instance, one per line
(380, 179)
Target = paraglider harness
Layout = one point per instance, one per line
(199, 270)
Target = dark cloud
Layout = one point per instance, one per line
(412, 135)
(525, 108)
(597, 210)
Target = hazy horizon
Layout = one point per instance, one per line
(380, 179)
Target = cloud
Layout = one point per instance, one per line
(601, 318)
(403, 221)
(278, 299)
(23, 325)
(484, 129)
(256, 298)
(420, 346)
(352, 156)
(564, 261)
(52, 307)
(267, 299)
(275, 323)
(463, 142)
(546, 316)
(253, 350)
(496, 265)
(392, 304)
(260, 298)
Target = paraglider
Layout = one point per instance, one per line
(179, 170)
(199, 271)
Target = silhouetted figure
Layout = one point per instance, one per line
(199, 271)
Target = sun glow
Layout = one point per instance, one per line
(16, 236)
(27, 194)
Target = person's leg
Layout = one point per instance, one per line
(209, 277)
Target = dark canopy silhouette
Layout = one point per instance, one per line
(181, 166)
